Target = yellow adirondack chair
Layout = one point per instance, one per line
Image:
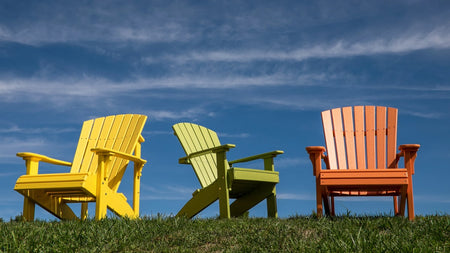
(219, 180)
(105, 148)
(361, 158)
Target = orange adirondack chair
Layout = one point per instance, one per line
(361, 158)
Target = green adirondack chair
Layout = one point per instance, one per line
(219, 180)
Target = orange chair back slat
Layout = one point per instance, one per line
(360, 137)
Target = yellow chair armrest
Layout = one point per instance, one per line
(42, 158)
(101, 151)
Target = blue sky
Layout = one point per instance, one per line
(257, 72)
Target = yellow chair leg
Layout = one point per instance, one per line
(28, 209)
(84, 211)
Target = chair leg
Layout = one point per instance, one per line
(332, 206)
(272, 210)
(28, 209)
(403, 201)
(249, 200)
(410, 203)
(319, 201)
(84, 211)
(395, 205)
(326, 204)
(224, 203)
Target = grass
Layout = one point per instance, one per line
(169, 234)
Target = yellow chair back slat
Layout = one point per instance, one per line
(128, 146)
(117, 132)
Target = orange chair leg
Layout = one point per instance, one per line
(319, 201)
(410, 203)
(395, 205)
(332, 206)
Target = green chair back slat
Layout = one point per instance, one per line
(194, 138)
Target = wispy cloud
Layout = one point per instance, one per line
(165, 192)
(296, 196)
(438, 38)
(192, 114)
(16, 129)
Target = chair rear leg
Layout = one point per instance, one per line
(84, 211)
(395, 205)
(332, 206)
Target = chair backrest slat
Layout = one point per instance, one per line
(117, 132)
(129, 142)
(360, 137)
(339, 138)
(194, 138)
(82, 143)
(370, 137)
(392, 137)
(106, 129)
(92, 143)
(347, 115)
(329, 139)
(381, 137)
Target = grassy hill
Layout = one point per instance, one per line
(168, 234)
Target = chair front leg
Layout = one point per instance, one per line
(272, 210)
(222, 177)
(28, 209)
(101, 202)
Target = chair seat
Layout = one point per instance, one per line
(242, 180)
(347, 179)
(58, 183)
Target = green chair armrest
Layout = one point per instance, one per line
(222, 148)
(260, 156)
(42, 158)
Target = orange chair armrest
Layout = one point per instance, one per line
(316, 153)
(409, 152)
(315, 149)
(409, 147)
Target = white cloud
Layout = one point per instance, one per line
(438, 38)
(192, 114)
(165, 192)
(16, 129)
(290, 162)
(295, 196)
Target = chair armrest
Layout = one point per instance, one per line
(316, 153)
(409, 152)
(42, 158)
(222, 148)
(409, 147)
(106, 151)
(255, 157)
